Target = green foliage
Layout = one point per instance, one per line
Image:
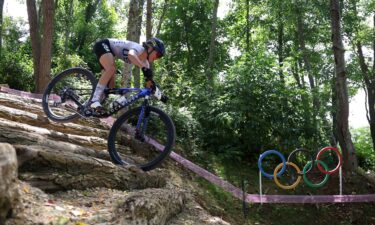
(17, 71)
(62, 62)
(185, 33)
(16, 67)
(188, 130)
(364, 149)
(88, 23)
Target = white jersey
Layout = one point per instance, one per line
(121, 48)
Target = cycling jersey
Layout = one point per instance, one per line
(121, 48)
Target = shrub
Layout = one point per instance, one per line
(363, 145)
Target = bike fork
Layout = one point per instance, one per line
(142, 124)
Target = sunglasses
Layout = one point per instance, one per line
(158, 55)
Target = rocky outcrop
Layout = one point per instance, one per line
(8, 180)
(151, 206)
(194, 214)
(55, 170)
(66, 175)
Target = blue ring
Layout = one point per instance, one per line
(262, 156)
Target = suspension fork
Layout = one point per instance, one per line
(142, 122)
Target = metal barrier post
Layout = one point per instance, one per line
(260, 187)
(340, 177)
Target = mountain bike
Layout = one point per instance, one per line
(68, 95)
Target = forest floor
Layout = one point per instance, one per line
(96, 205)
(237, 212)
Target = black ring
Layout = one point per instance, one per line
(308, 153)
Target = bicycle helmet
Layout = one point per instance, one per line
(157, 44)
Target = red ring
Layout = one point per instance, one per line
(320, 153)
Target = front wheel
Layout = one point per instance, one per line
(67, 92)
(143, 136)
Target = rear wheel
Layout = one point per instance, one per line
(67, 92)
(155, 129)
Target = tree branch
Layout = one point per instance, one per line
(363, 65)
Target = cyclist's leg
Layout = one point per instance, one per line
(111, 83)
(109, 68)
(107, 61)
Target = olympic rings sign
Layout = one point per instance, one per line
(281, 168)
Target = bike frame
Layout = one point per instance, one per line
(141, 93)
(143, 116)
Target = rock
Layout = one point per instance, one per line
(55, 169)
(151, 206)
(194, 214)
(8, 180)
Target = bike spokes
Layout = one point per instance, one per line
(141, 139)
(151, 129)
(68, 93)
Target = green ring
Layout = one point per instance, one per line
(318, 185)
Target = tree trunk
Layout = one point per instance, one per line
(186, 20)
(137, 75)
(148, 33)
(344, 136)
(35, 38)
(41, 53)
(46, 47)
(162, 17)
(373, 89)
(334, 136)
(280, 43)
(371, 111)
(369, 81)
(149, 20)
(212, 49)
(307, 63)
(247, 26)
(1, 25)
(367, 75)
(134, 33)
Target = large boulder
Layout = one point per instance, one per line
(150, 206)
(8, 180)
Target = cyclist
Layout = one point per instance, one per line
(130, 52)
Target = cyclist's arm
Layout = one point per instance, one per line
(133, 57)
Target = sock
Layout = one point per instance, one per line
(98, 92)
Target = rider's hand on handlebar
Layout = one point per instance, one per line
(155, 90)
(151, 84)
(147, 73)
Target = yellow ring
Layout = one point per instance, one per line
(278, 167)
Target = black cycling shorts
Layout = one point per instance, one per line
(102, 47)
